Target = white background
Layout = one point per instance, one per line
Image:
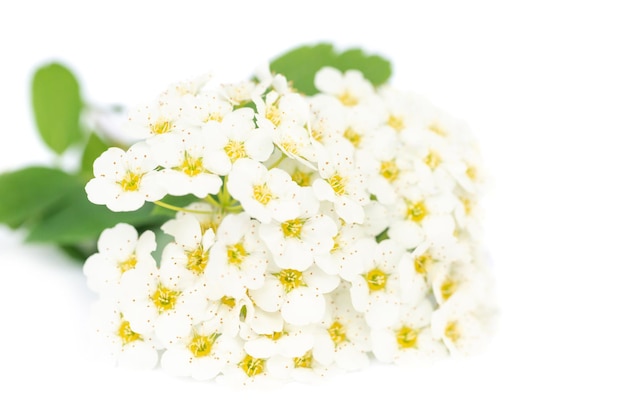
(542, 84)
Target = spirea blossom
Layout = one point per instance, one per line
(317, 233)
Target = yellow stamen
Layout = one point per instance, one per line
(252, 366)
(235, 150)
(389, 170)
(432, 160)
(262, 193)
(164, 299)
(437, 129)
(348, 99)
(448, 288)
(406, 337)
(452, 331)
(301, 178)
(191, 166)
(292, 228)
(128, 264)
(126, 334)
(338, 184)
(290, 279)
(376, 279)
(130, 182)
(197, 260)
(396, 122)
(337, 333)
(161, 126)
(201, 345)
(236, 253)
(306, 361)
(416, 211)
(353, 136)
(421, 263)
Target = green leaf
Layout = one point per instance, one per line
(57, 106)
(78, 221)
(28, 192)
(300, 65)
(94, 148)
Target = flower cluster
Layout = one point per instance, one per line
(326, 231)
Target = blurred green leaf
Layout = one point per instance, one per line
(300, 65)
(78, 221)
(57, 105)
(94, 148)
(28, 192)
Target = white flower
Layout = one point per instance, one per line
(119, 249)
(189, 253)
(294, 243)
(423, 215)
(342, 183)
(460, 330)
(345, 258)
(124, 180)
(191, 169)
(121, 342)
(298, 295)
(202, 354)
(157, 120)
(349, 88)
(342, 337)
(238, 258)
(264, 194)
(236, 137)
(377, 290)
(409, 340)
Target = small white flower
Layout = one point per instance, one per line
(409, 340)
(119, 249)
(202, 354)
(294, 243)
(460, 330)
(264, 194)
(342, 183)
(238, 258)
(189, 253)
(121, 342)
(124, 181)
(349, 88)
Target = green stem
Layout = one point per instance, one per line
(179, 209)
(275, 164)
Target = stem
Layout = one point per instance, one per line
(179, 209)
(275, 164)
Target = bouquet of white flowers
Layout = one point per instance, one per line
(306, 221)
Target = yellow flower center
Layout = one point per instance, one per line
(421, 263)
(301, 178)
(252, 366)
(164, 299)
(262, 193)
(191, 166)
(432, 160)
(235, 150)
(228, 301)
(406, 337)
(376, 279)
(396, 122)
(274, 336)
(448, 288)
(128, 264)
(389, 170)
(273, 114)
(467, 205)
(348, 99)
(452, 331)
(161, 126)
(201, 345)
(292, 228)
(437, 129)
(236, 253)
(130, 182)
(306, 361)
(290, 279)
(337, 332)
(353, 136)
(338, 184)
(126, 334)
(471, 173)
(197, 260)
(416, 211)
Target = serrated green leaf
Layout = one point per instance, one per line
(301, 64)
(78, 221)
(26, 193)
(93, 149)
(57, 105)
